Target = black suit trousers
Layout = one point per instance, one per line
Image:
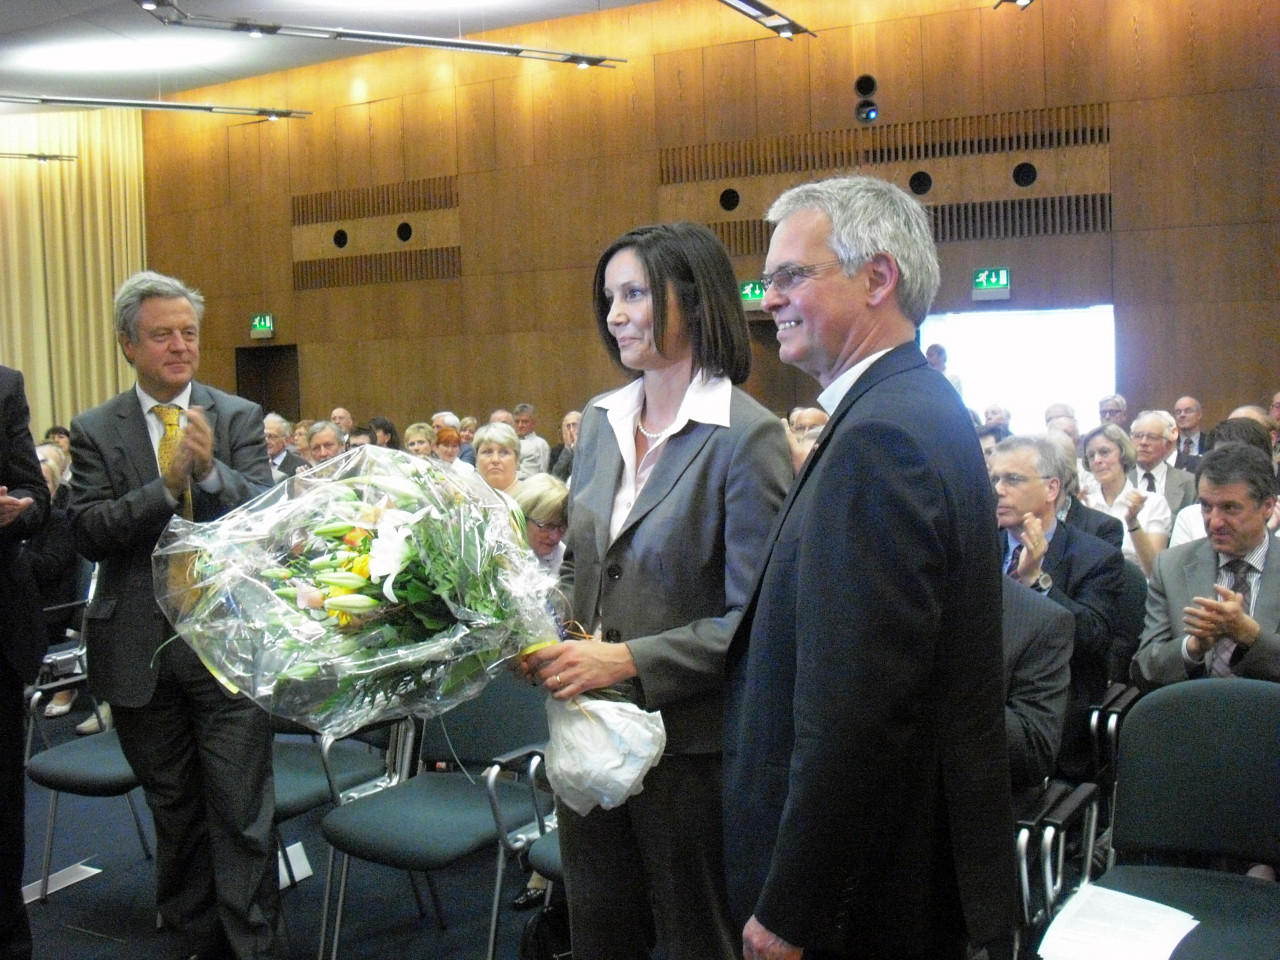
(194, 748)
(15, 932)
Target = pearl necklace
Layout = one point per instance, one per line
(640, 427)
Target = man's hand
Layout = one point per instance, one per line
(11, 507)
(759, 944)
(1206, 620)
(1034, 546)
(197, 441)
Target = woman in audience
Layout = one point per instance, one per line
(497, 453)
(301, 446)
(676, 481)
(467, 432)
(419, 439)
(447, 447)
(384, 433)
(544, 499)
(1147, 520)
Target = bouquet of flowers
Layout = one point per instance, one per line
(373, 586)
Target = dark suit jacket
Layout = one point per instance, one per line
(1096, 523)
(1179, 487)
(119, 509)
(1037, 653)
(1187, 571)
(867, 798)
(1088, 579)
(673, 584)
(291, 464)
(22, 632)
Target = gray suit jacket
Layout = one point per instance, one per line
(119, 509)
(673, 584)
(1179, 487)
(1188, 571)
(1038, 638)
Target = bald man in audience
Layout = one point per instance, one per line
(1191, 442)
(997, 414)
(1155, 439)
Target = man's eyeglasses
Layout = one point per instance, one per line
(784, 278)
(1011, 480)
(1143, 435)
(559, 527)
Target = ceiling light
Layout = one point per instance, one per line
(769, 18)
(269, 113)
(173, 16)
(1020, 4)
(40, 157)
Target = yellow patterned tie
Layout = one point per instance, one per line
(171, 416)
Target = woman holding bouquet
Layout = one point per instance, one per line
(677, 478)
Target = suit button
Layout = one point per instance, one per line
(613, 636)
(613, 572)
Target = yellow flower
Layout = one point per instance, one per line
(360, 566)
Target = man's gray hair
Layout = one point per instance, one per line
(870, 216)
(449, 417)
(319, 427)
(1051, 457)
(1164, 416)
(523, 408)
(275, 420)
(1121, 402)
(147, 285)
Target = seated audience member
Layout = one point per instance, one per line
(342, 419)
(55, 455)
(447, 447)
(1213, 605)
(299, 442)
(56, 567)
(1155, 437)
(1110, 455)
(1189, 523)
(535, 453)
(445, 418)
(1078, 572)
(1067, 425)
(562, 452)
(936, 356)
(1188, 414)
(502, 415)
(278, 430)
(467, 431)
(544, 499)
(997, 414)
(324, 440)
(420, 439)
(803, 430)
(1038, 636)
(385, 433)
(361, 436)
(60, 437)
(1113, 409)
(497, 453)
(1074, 513)
(989, 434)
(1056, 410)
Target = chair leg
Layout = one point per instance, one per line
(137, 822)
(48, 846)
(497, 903)
(324, 908)
(435, 898)
(342, 897)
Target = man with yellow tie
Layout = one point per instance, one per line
(174, 446)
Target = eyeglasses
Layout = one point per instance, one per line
(560, 527)
(1143, 435)
(784, 278)
(1012, 479)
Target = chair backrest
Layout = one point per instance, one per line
(507, 714)
(1199, 771)
(1133, 615)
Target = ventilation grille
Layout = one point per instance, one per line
(956, 222)
(1024, 217)
(436, 193)
(1023, 130)
(438, 263)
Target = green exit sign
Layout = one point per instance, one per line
(262, 326)
(991, 283)
(751, 290)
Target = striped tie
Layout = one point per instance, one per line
(1225, 648)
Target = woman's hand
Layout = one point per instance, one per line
(1133, 501)
(568, 669)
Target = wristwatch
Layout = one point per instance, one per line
(1042, 583)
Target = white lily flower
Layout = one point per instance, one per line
(389, 553)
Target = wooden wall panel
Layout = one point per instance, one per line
(1205, 159)
(354, 160)
(729, 91)
(313, 162)
(1075, 51)
(782, 84)
(680, 115)
(1012, 58)
(477, 133)
(1191, 264)
(244, 161)
(515, 141)
(600, 113)
(951, 52)
(889, 52)
(386, 140)
(430, 134)
(833, 66)
(1047, 272)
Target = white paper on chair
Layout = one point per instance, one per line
(1101, 924)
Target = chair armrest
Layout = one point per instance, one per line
(1080, 807)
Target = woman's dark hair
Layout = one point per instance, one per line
(1240, 430)
(387, 427)
(687, 259)
(1236, 462)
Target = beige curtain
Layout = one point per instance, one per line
(70, 233)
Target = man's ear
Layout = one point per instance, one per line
(882, 273)
(127, 348)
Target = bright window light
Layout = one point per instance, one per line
(1028, 359)
(121, 56)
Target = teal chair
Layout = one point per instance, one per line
(438, 817)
